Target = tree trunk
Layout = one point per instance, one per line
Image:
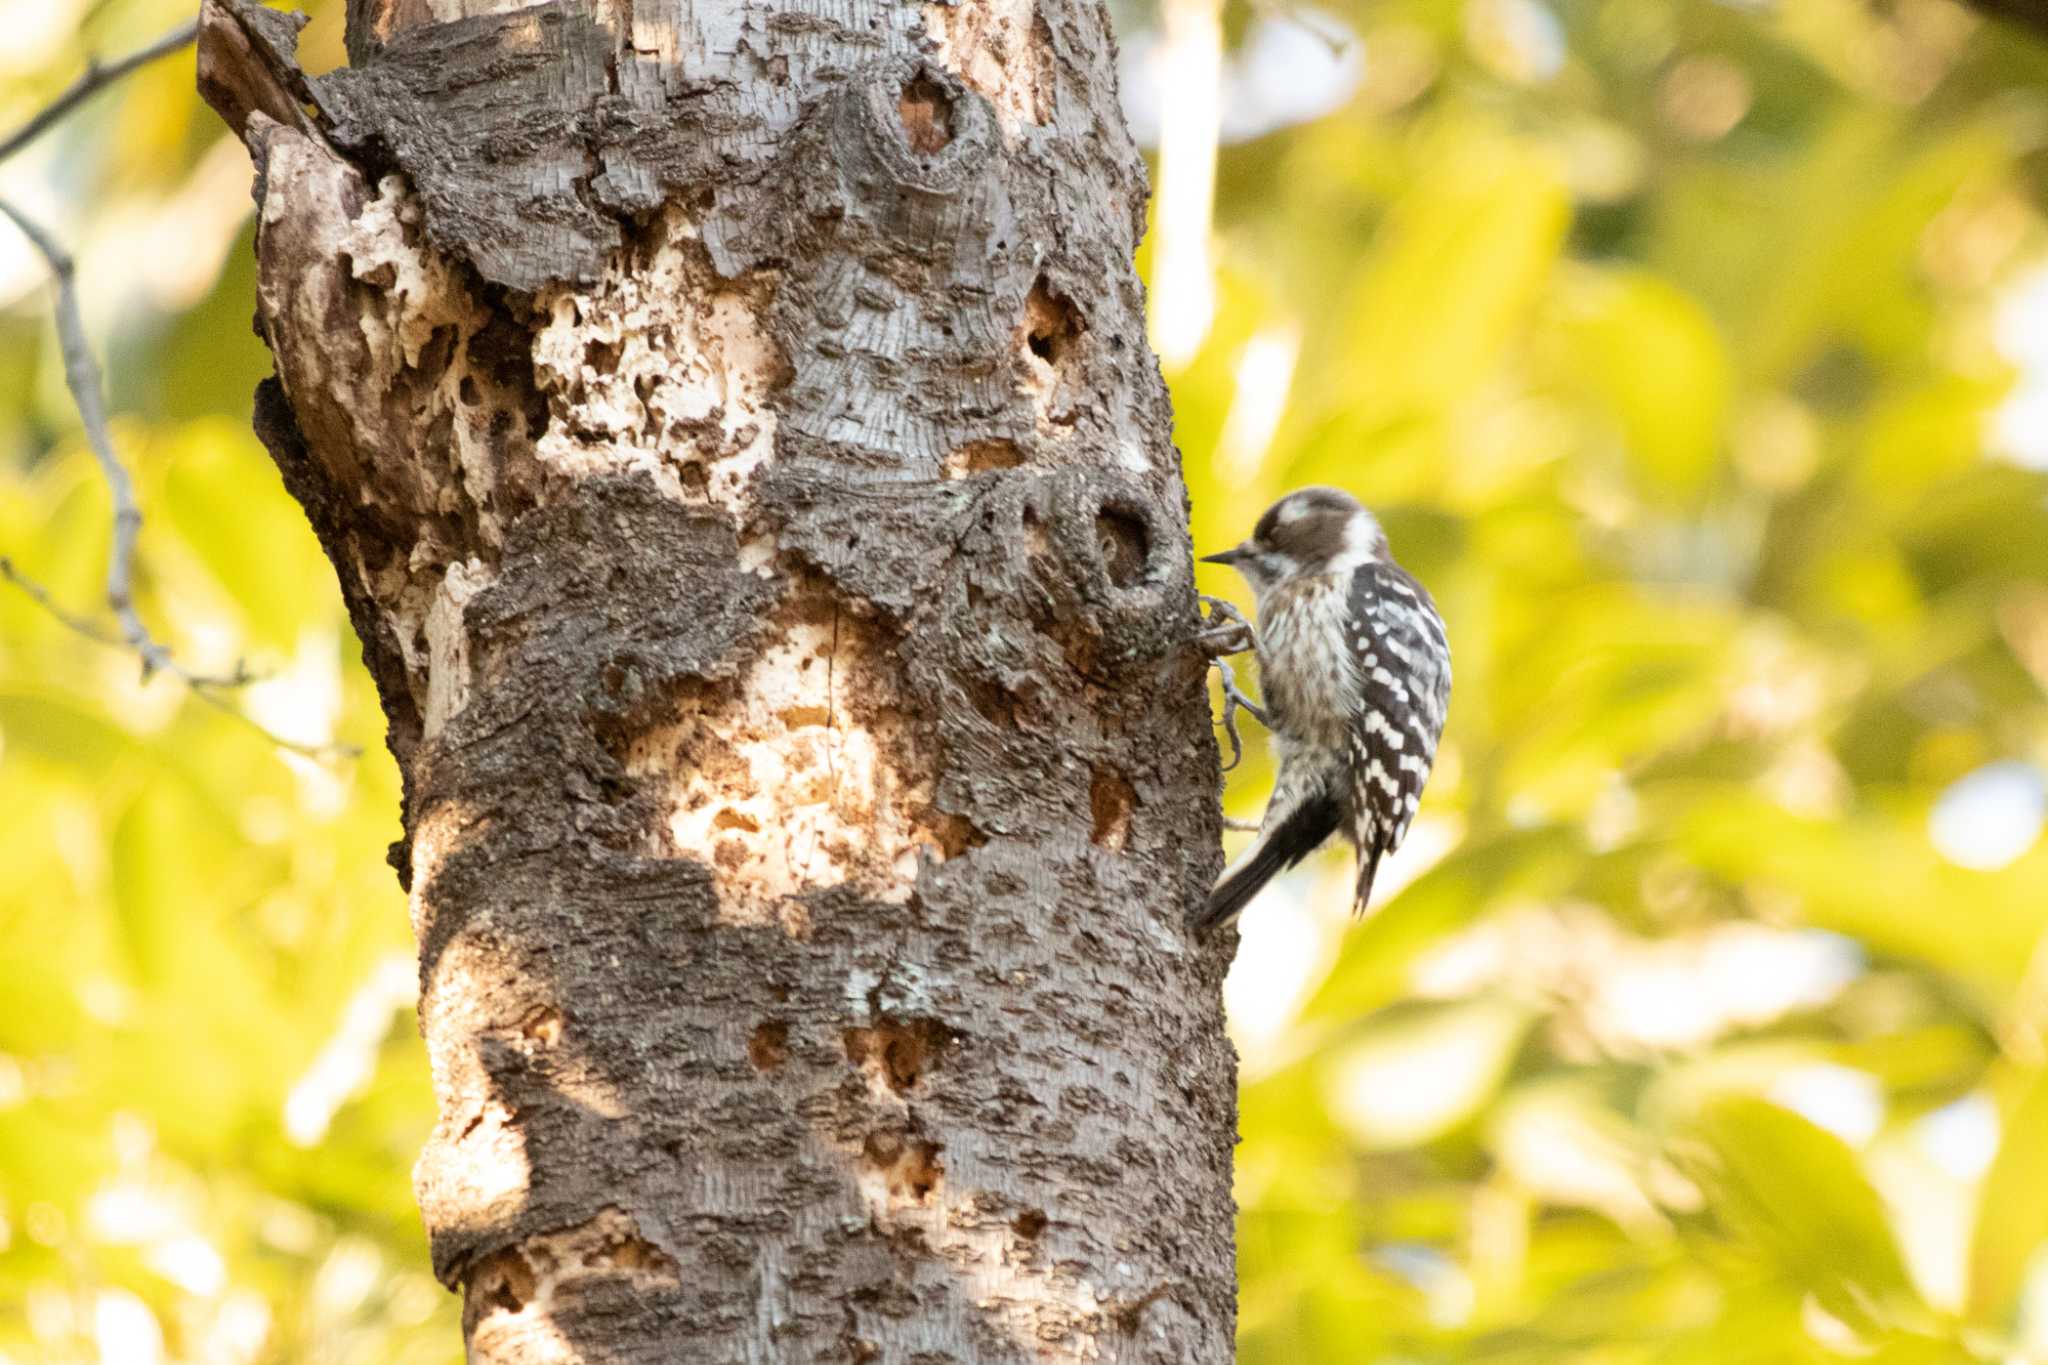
(733, 429)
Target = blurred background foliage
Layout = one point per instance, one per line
(1695, 355)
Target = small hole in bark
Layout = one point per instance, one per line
(898, 1052)
(998, 704)
(979, 457)
(1051, 325)
(909, 1166)
(732, 819)
(1035, 538)
(643, 389)
(621, 681)
(602, 356)
(1121, 537)
(769, 1047)
(951, 835)
(536, 415)
(543, 1026)
(467, 391)
(921, 1177)
(927, 116)
(379, 276)
(630, 1253)
(503, 1282)
(1029, 1224)
(439, 350)
(1111, 798)
(696, 479)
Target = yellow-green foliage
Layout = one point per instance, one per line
(1686, 373)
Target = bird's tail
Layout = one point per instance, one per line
(1368, 868)
(1299, 834)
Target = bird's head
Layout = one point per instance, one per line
(1311, 531)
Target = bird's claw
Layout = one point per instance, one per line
(1224, 630)
(1233, 702)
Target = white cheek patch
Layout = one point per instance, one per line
(1362, 534)
(1362, 540)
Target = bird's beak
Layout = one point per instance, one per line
(1230, 556)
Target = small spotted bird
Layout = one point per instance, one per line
(1356, 672)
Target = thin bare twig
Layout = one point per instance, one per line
(82, 376)
(47, 600)
(207, 689)
(95, 78)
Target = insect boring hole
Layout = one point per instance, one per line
(982, 457)
(769, 1047)
(543, 1026)
(927, 115)
(502, 1283)
(905, 1166)
(1111, 799)
(1052, 325)
(1120, 536)
(896, 1053)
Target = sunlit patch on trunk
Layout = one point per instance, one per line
(806, 775)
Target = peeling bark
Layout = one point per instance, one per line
(735, 437)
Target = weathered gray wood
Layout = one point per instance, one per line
(734, 430)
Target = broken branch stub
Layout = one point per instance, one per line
(735, 441)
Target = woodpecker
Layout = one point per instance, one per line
(1356, 675)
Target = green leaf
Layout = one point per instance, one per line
(2012, 1209)
(1795, 1194)
(1454, 273)
(1653, 359)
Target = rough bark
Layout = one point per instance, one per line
(734, 433)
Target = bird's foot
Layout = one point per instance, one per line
(1233, 702)
(1224, 630)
